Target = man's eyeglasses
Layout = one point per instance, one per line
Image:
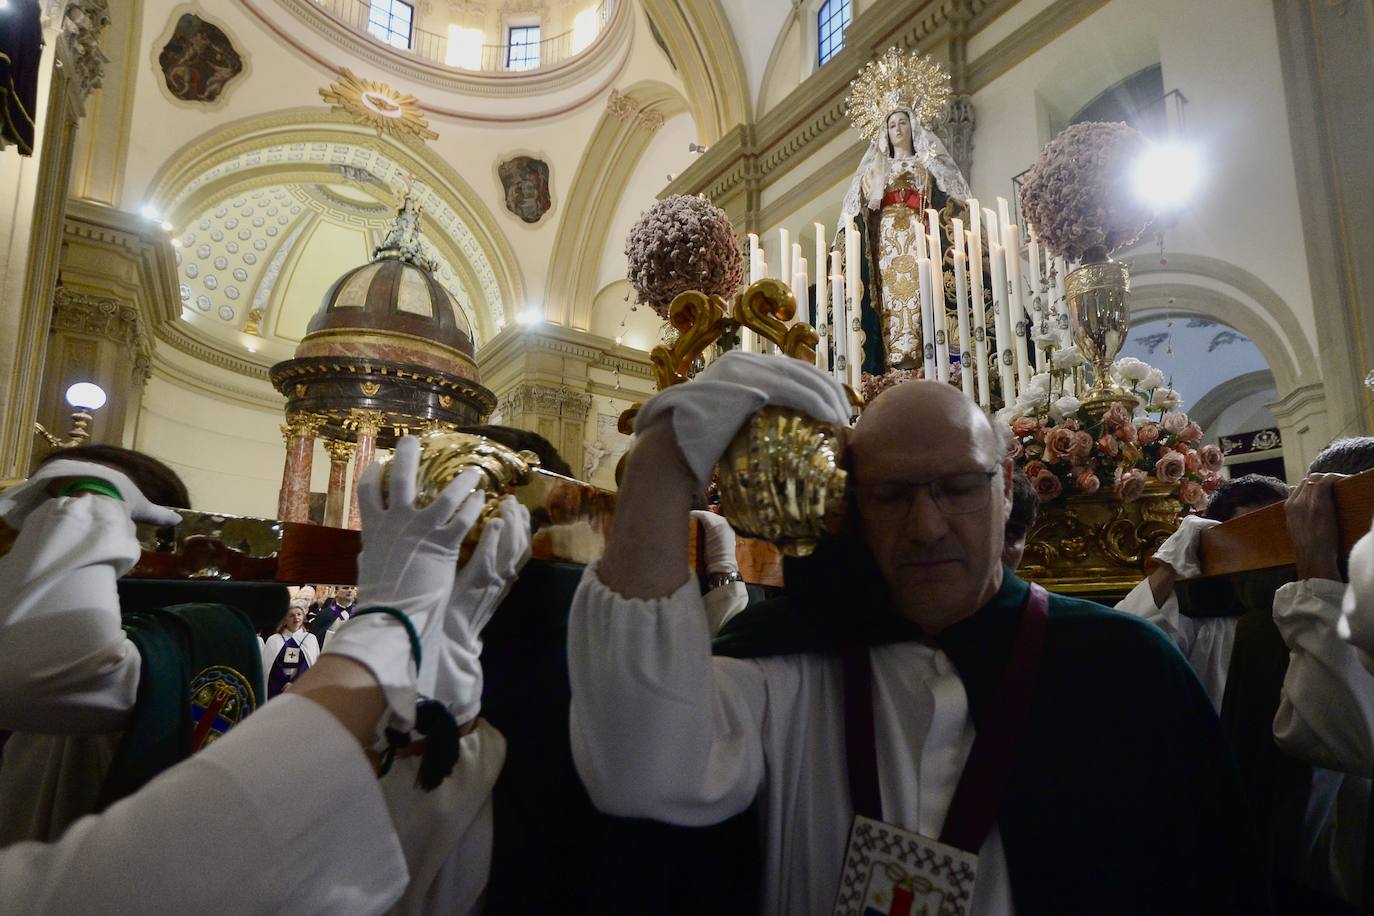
(953, 494)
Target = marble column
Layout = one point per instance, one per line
(336, 501)
(299, 432)
(369, 424)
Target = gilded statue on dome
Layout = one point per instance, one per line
(894, 103)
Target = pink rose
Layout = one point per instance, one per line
(1017, 450)
(1211, 481)
(1211, 457)
(1081, 448)
(1129, 484)
(1192, 462)
(1125, 432)
(1191, 433)
(1191, 492)
(1116, 415)
(1174, 423)
(1147, 434)
(1033, 468)
(1023, 426)
(1169, 468)
(1047, 485)
(1058, 441)
(1108, 444)
(1087, 481)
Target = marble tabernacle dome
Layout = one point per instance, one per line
(388, 345)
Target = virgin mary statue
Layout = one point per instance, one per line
(906, 171)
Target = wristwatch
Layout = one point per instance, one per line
(718, 579)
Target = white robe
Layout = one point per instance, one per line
(271, 648)
(1205, 643)
(228, 831)
(662, 730)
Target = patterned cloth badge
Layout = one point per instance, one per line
(889, 871)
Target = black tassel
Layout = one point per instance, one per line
(436, 723)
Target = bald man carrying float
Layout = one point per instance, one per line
(907, 678)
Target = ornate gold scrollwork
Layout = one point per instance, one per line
(370, 389)
(765, 307)
(699, 321)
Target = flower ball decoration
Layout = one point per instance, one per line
(683, 243)
(1078, 195)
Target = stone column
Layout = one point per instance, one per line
(299, 432)
(369, 424)
(337, 499)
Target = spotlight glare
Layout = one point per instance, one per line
(148, 211)
(530, 315)
(166, 226)
(86, 396)
(1167, 175)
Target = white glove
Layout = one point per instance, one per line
(720, 542)
(17, 503)
(455, 676)
(1357, 611)
(1180, 551)
(408, 562)
(707, 413)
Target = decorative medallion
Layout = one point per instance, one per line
(526, 182)
(198, 60)
(378, 106)
(220, 698)
(370, 389)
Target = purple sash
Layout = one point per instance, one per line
(289, 664)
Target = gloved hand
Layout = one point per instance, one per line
(1180, 551)
(720, 542)
(454, 678)
(408, 562)
(707, 413)
(17, 503)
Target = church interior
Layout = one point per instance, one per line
(266, 242)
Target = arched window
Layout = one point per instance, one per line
(831, 21)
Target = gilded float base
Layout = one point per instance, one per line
(1096, 546)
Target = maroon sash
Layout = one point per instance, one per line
(983, 783)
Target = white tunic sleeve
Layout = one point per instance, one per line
(1206, 643)
(724, 603)
(227, 831)
(447, 834)
(1357, 621)
(1326, 710)
(270, 650)
(660, 729)
(65, 663)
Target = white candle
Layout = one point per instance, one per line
(1002, 316)
(961, 310)
(991, 219)
(974, 227)
(980, 349)
(840, 340)
(1016, 298)
(753, 249)
(801, 282)
(1037, 295)
(784, 256)
(852, 280)
(822, 300)
(1003, 217)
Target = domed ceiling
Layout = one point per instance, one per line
(260, 238)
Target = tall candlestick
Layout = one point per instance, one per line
(855, 308)
(991, 219)
(1003, 217)
(923, 272)
(1002, 315)
(800, 294)
(1017, 298)
(1037, 297)
(974, 213)
(961, 310)
(801, 282)
(979, 316)
(753, 248)
(785, 256)
(839, 338)
(822, 300)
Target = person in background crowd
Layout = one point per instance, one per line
(1206, 643)
(290, 651)
(917, 596)
(333, 717)
(1025, 506)
(335, 610)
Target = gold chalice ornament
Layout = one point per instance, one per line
(781, 479)
(444, 454)
(1100, 320)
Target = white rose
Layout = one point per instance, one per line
(1130, 369)
(1066, 407)
(1165, 399)
(1153, 380)
(1006, 415)
(1066, 358)
(1039, 383)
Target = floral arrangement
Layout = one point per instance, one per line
(683, 243)
(1078, 193)
(1063, 450)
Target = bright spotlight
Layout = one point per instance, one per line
(86, 396)
(148, 211)
(1167, 175)
(166, 226)
(530, 315)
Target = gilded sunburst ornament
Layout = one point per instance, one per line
(378, 106)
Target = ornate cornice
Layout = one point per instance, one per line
(546, 401)
(82, 23)
(102, 316)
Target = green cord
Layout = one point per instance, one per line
(405, 621)
(91, 485)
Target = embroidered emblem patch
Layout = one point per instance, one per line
(220, 698)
